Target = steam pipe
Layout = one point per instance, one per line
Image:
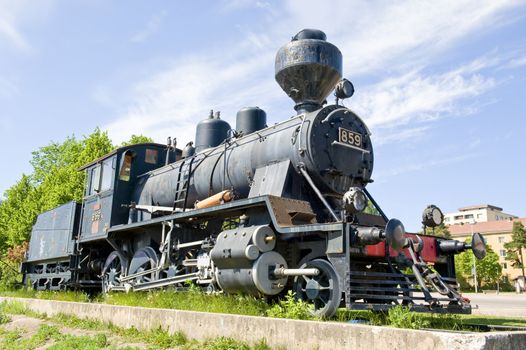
(317, 191)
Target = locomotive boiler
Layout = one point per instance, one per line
(256, 209)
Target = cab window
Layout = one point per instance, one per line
(126, 164)
(107, 174)
(151, 156)
(94, 186)
(101, 176)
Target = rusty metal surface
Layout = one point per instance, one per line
(290, 212)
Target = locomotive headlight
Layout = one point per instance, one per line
(354, 200)
(432, 216)
(344, 89)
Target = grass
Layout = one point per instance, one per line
(155, 338)
(494, 320)
(401, 317)
(287, 307)
(48, 295)
(4, 318)
(193, 300)
(16, 340)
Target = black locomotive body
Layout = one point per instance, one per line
(255, 209)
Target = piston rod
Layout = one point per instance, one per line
(283, 272)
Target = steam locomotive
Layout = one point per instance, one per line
(257, 209)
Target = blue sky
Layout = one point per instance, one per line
(442, 84)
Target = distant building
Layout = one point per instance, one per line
(496, 233)
(477, 213)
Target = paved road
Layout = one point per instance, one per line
(503, 304)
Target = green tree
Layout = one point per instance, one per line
(515, 247)
(18, 212)
(371, 209)
(136, 139)
(61, 181)
(441, 231)
(55, 180)
(488, 269)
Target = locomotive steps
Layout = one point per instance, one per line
(278, 333)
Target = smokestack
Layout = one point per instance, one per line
(308, 68)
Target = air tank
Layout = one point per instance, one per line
(250, 119)
(188, 150)
(211, 132)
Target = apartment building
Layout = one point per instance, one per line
(477, 213)
(496, 233)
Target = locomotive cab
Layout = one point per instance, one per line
(109, 182)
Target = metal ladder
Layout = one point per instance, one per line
(183, 182)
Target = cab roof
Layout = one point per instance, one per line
(120, 149)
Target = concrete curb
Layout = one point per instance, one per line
(279, 333)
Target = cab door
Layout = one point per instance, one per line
(96, 218)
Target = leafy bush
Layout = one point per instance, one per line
(9, 275)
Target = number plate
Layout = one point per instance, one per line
(349, 137)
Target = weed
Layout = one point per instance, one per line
(157, 337)
(261, 345)
(401, 317)
(46, 294)
(68, 342)
(290, 307)
(193, 299)
(4, 318)
(223, 343)
(76, 322)
(17, 308)
(9, 338)
(15, 340)
(162, 338)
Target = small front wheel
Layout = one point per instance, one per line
(322, 290)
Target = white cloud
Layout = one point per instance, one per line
(381, 36)
(235, 5)
(152, 26)
(413, 166)
(16, 13)
(418, 97)
(384, 136)
(9, 32)
(516, 62)
(397, 44)
(171, 102)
